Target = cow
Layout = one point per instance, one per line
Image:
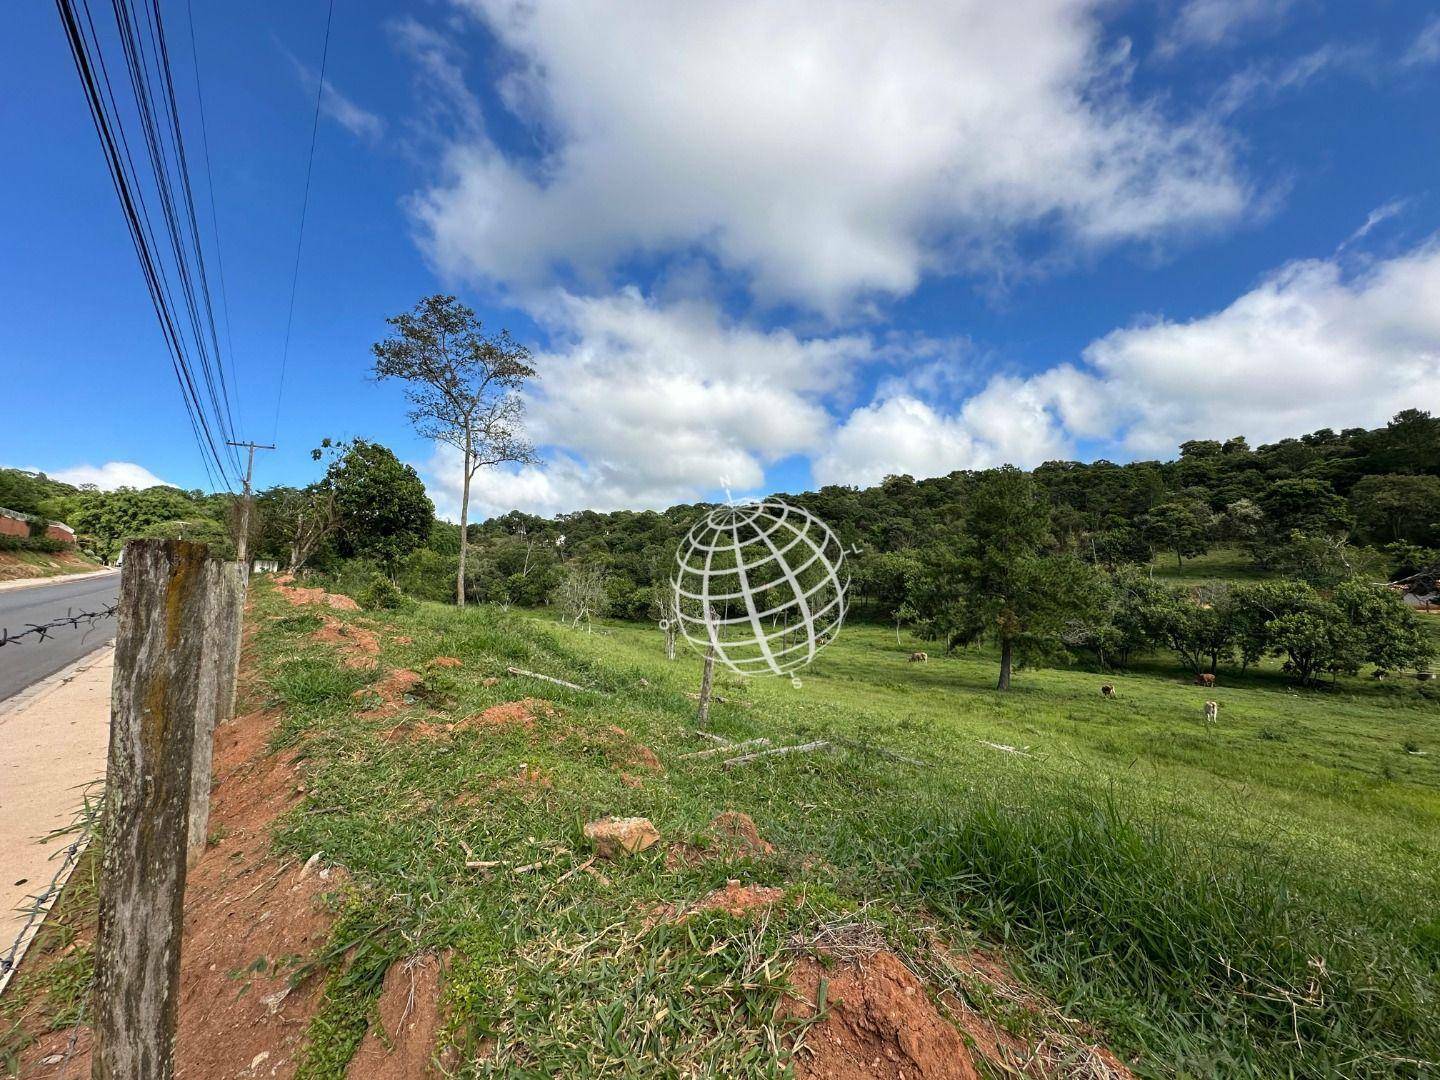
(1212, 711)
(1107, 691)
(1205, 680)
(919, 658)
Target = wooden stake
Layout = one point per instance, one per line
(707, 680)
(166, 598)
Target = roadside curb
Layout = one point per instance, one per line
(36, 582)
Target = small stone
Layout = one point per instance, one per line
(614, 837)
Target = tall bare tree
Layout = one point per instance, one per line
(464, 389)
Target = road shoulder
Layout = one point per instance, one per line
(54, 738)
(33, 582)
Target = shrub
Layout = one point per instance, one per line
(380, 593)
(47, 544)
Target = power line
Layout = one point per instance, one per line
(214, 218)
(163, 140)
(304, 206)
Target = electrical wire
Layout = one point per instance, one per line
(206, 395)
(304, 206)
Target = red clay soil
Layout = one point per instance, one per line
(740, 900)
(879, 1025)
(299, 595)
(388, 696)
(522, 714)
(245, 913)
(445, 661)
(411, 1019)
(731, 835)
(360, 648)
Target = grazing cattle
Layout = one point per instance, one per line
(1107, 690)
(1205, 680)
(1212, 711)
(1380, 674)
(919, 658)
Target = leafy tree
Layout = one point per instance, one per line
(463, 385)
(1392, 636)
(381, 504)
(1391, 508)
(996, 579)
(1360, 623)
(1182, 527)
(108, 518)
(1305, 505)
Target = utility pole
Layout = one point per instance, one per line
(242, 543)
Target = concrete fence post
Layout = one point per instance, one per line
(168, 611)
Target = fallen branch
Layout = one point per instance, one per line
(797, 748)
(867, 748)
(552, 679)
(577, 868)
(1007, 749)
(721, 739)
(726, 748)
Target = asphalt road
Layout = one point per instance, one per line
(29, 661)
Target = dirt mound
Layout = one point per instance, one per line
(389, 696)
(740, 900)
(522, 714)
(361, 648)
(446, 661)
(731, 835)
(299, 595)
(879, 1025)
(248, 917)
(409, 1018)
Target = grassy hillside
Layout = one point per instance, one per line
(1253, 898)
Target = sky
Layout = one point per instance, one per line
(753, 247)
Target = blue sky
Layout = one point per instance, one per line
(757, 246)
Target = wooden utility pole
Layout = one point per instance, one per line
(242, 543)
(167, 608)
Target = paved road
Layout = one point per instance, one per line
(30, 661)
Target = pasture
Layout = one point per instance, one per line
(1249, 897)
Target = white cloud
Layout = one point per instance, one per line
(1011, 421)
(1307, 348)
(334, 105)
(359, 122)
(649, 404)
(825, 150)
(108, 477)
(1426, 47)
(654, 405)
(1211, 22)
(1261, 83)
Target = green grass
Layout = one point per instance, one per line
(1256, 898)
(1217, 566)
(18, 565)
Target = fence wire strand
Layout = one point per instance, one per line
(43, 631)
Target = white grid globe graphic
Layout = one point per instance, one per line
(764, 584)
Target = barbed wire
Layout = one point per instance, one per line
(43, 631)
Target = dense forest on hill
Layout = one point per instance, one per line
(1319, 507)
